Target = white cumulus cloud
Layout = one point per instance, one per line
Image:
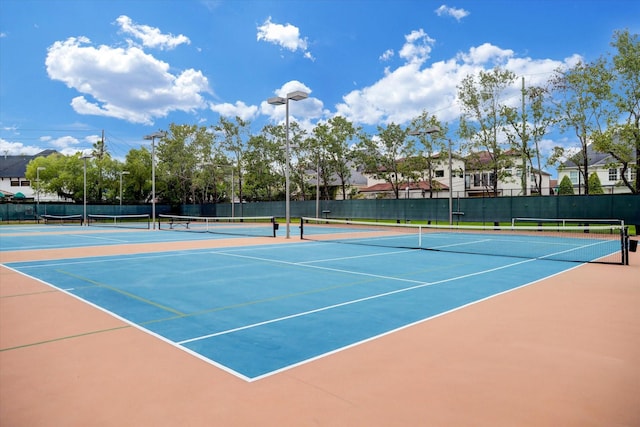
(239, 109)
(124, 83)
(150, 36)
(456, 13)
(286, 36)
(402, 93)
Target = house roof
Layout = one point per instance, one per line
(594, 157)
(357, 179)
(482, 158)
(16, 166)
(385, 186)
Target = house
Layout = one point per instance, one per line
(13, 183)
(354, 183)
(608, 169)
(479, 179)
(470, 177)
(421, 188)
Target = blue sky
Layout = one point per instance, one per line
(70, 69)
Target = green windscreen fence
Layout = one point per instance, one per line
(625, 207)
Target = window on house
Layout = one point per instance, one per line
(573, 175)
(439, 174)
(476, 180)
(15, 183)
(25, 183)
(613, 174)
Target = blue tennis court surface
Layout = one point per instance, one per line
(257, 310)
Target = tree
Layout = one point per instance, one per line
(63, 175)
(137, 185)
(566, 187)
(527, 129)
(582, 96)
(336, 145)
(432, 143)
(177, 163)
(483, 120)
(595, 187)
(622, 137)
(320, 161)
(384, 156)
(262, 182)
(234, 135)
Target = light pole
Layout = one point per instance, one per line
(153, 137)
(432, 130)
(278, 100)
(38, 169)
(122, 173)
(84, 193)
(318, 188)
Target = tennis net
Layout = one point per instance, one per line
(257, 226)
(141, 221)
(598, 243)
(62, 219)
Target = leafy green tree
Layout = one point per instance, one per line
(427, 162)
(234, 136)
(262, 182)
(384, 156)
(336, 139)
(582, 96)
(63, 175)
(320, 160)
(482, 122)
(176, 164)
(137, 183)
(595, 186)
(526, 130)
(621, 139)
(566, 187)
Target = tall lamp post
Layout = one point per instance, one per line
(122, 173)
(432, 130)
(38, 169)
(152, 138)
(278, 100)
(84, 193)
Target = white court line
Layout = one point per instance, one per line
(101, 238)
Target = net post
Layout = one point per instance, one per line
(624, 238)
(301, 228)
(274, 225)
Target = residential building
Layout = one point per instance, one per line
(480, 182)
(439, 188)
(608, 169)
(13, 182)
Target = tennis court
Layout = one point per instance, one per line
(255, 309)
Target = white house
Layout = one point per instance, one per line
(422, 188)
(478, 178)
(14, 184)
(608, 169)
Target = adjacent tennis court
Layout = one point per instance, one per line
(258, 309)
